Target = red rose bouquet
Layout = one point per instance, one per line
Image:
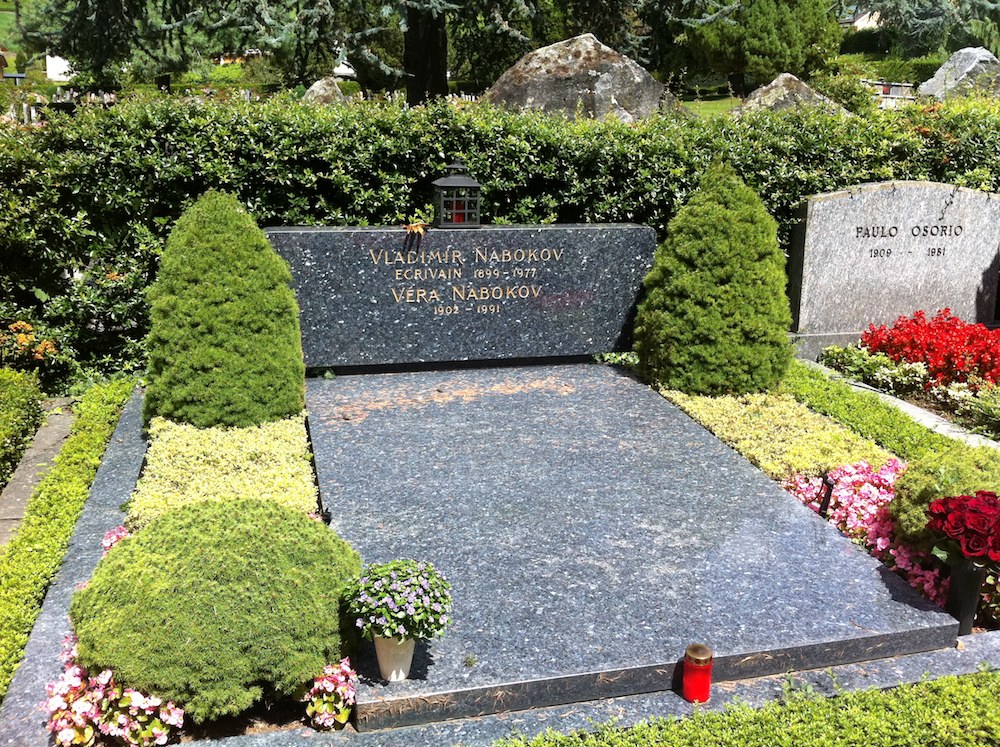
(969, 524)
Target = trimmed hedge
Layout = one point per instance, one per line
(779, 435)
(863, 412)
(97, 193)
(31, 559)
(217, 605)
(224, 345)
(185, 464)
(949, 712)
(715, 317)
(20, 416)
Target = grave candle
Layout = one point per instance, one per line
(458, 215)
(696, 684)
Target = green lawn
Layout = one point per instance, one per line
(7, 33)
(712, 106)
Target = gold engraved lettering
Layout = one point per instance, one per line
(440, 257)
(427, 273)
(517, 255)
(494, 292)
(416, 295)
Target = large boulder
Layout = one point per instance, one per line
(324, 91)
(580, 77)
(969, 69)
(787, 92)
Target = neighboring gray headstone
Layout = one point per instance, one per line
(787, 92)
(324, 91)
(580, 77)
(972, 68)
(873, 253)
(373, 296)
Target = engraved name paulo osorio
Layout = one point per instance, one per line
(897, 240)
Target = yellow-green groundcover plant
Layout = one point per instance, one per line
(185, 465)
(778, 434)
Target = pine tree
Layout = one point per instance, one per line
(224, 343)
(715, 317)
(761, 38)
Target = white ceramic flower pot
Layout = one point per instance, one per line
(394, 657)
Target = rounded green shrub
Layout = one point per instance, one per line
(959, 470)
(715, 317)
(216, 605)
(224, 342)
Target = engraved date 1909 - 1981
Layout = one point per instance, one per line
(886, 252)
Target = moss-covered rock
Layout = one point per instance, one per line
(216, 605)
(715, 318)
(224, 345)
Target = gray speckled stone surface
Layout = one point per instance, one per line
(587, 526)
(22, 723)
(856, 260)
(374, 296)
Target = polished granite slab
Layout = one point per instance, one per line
(591, 531)
(375, 296)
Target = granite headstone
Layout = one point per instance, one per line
(381, 296)
(875, 252)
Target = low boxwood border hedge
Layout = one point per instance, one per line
(863, 412)
(20, 416)
(30, 561)
(950, 712)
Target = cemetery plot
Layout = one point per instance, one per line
(591, 531)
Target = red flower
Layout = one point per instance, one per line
(954, 525)
(952, 350)
(974, 545)
(972, 521)
(994, 551)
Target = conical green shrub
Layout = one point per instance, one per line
(224, 342)
(715, 317)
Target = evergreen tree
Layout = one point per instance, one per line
(760, 38)
(916, 26)
(715, 317)
(101, 37)
(224, 343)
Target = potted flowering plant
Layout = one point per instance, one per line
(969, 531)
(396, 604)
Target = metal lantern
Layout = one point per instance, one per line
(456, 199)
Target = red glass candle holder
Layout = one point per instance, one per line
(696, 683)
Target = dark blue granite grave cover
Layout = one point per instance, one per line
(373, 296)
(591, 531)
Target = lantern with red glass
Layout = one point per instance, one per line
(456, 199)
